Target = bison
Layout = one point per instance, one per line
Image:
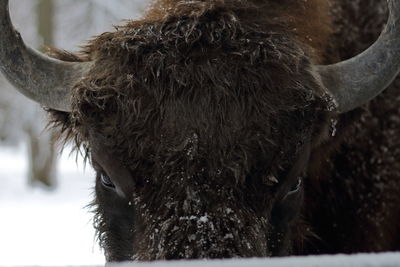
(232, 128)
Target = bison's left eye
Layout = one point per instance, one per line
(295, 190)
(287, 209)
(106, 181)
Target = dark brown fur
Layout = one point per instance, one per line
(191, 109)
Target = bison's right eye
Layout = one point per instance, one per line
(106, 181)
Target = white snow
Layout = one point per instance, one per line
(204, 219)
(360, 260)
(39, 227)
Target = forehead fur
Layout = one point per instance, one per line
(293, 15)
(233, 85)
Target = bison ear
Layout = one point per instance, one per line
(356, 81)
(45, 80)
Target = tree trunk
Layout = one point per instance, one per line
(45, 11)
(42, 156)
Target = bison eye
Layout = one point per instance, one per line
(294, 190)
(106, 181)
(287, 209)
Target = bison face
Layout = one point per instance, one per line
(199, 140)
(184, 196)
(191, 203)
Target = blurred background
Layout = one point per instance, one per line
(43, 194)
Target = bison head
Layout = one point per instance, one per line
(199, 126)
(199, 147)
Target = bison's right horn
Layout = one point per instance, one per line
(356, 81)
(43, 79)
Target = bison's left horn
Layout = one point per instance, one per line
(355, 81)
(43, 79)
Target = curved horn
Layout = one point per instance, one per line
(356, 81)
(43, 79)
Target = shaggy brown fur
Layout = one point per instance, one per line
(193, 110)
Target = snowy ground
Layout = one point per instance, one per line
(371, 260)
(39, 227)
